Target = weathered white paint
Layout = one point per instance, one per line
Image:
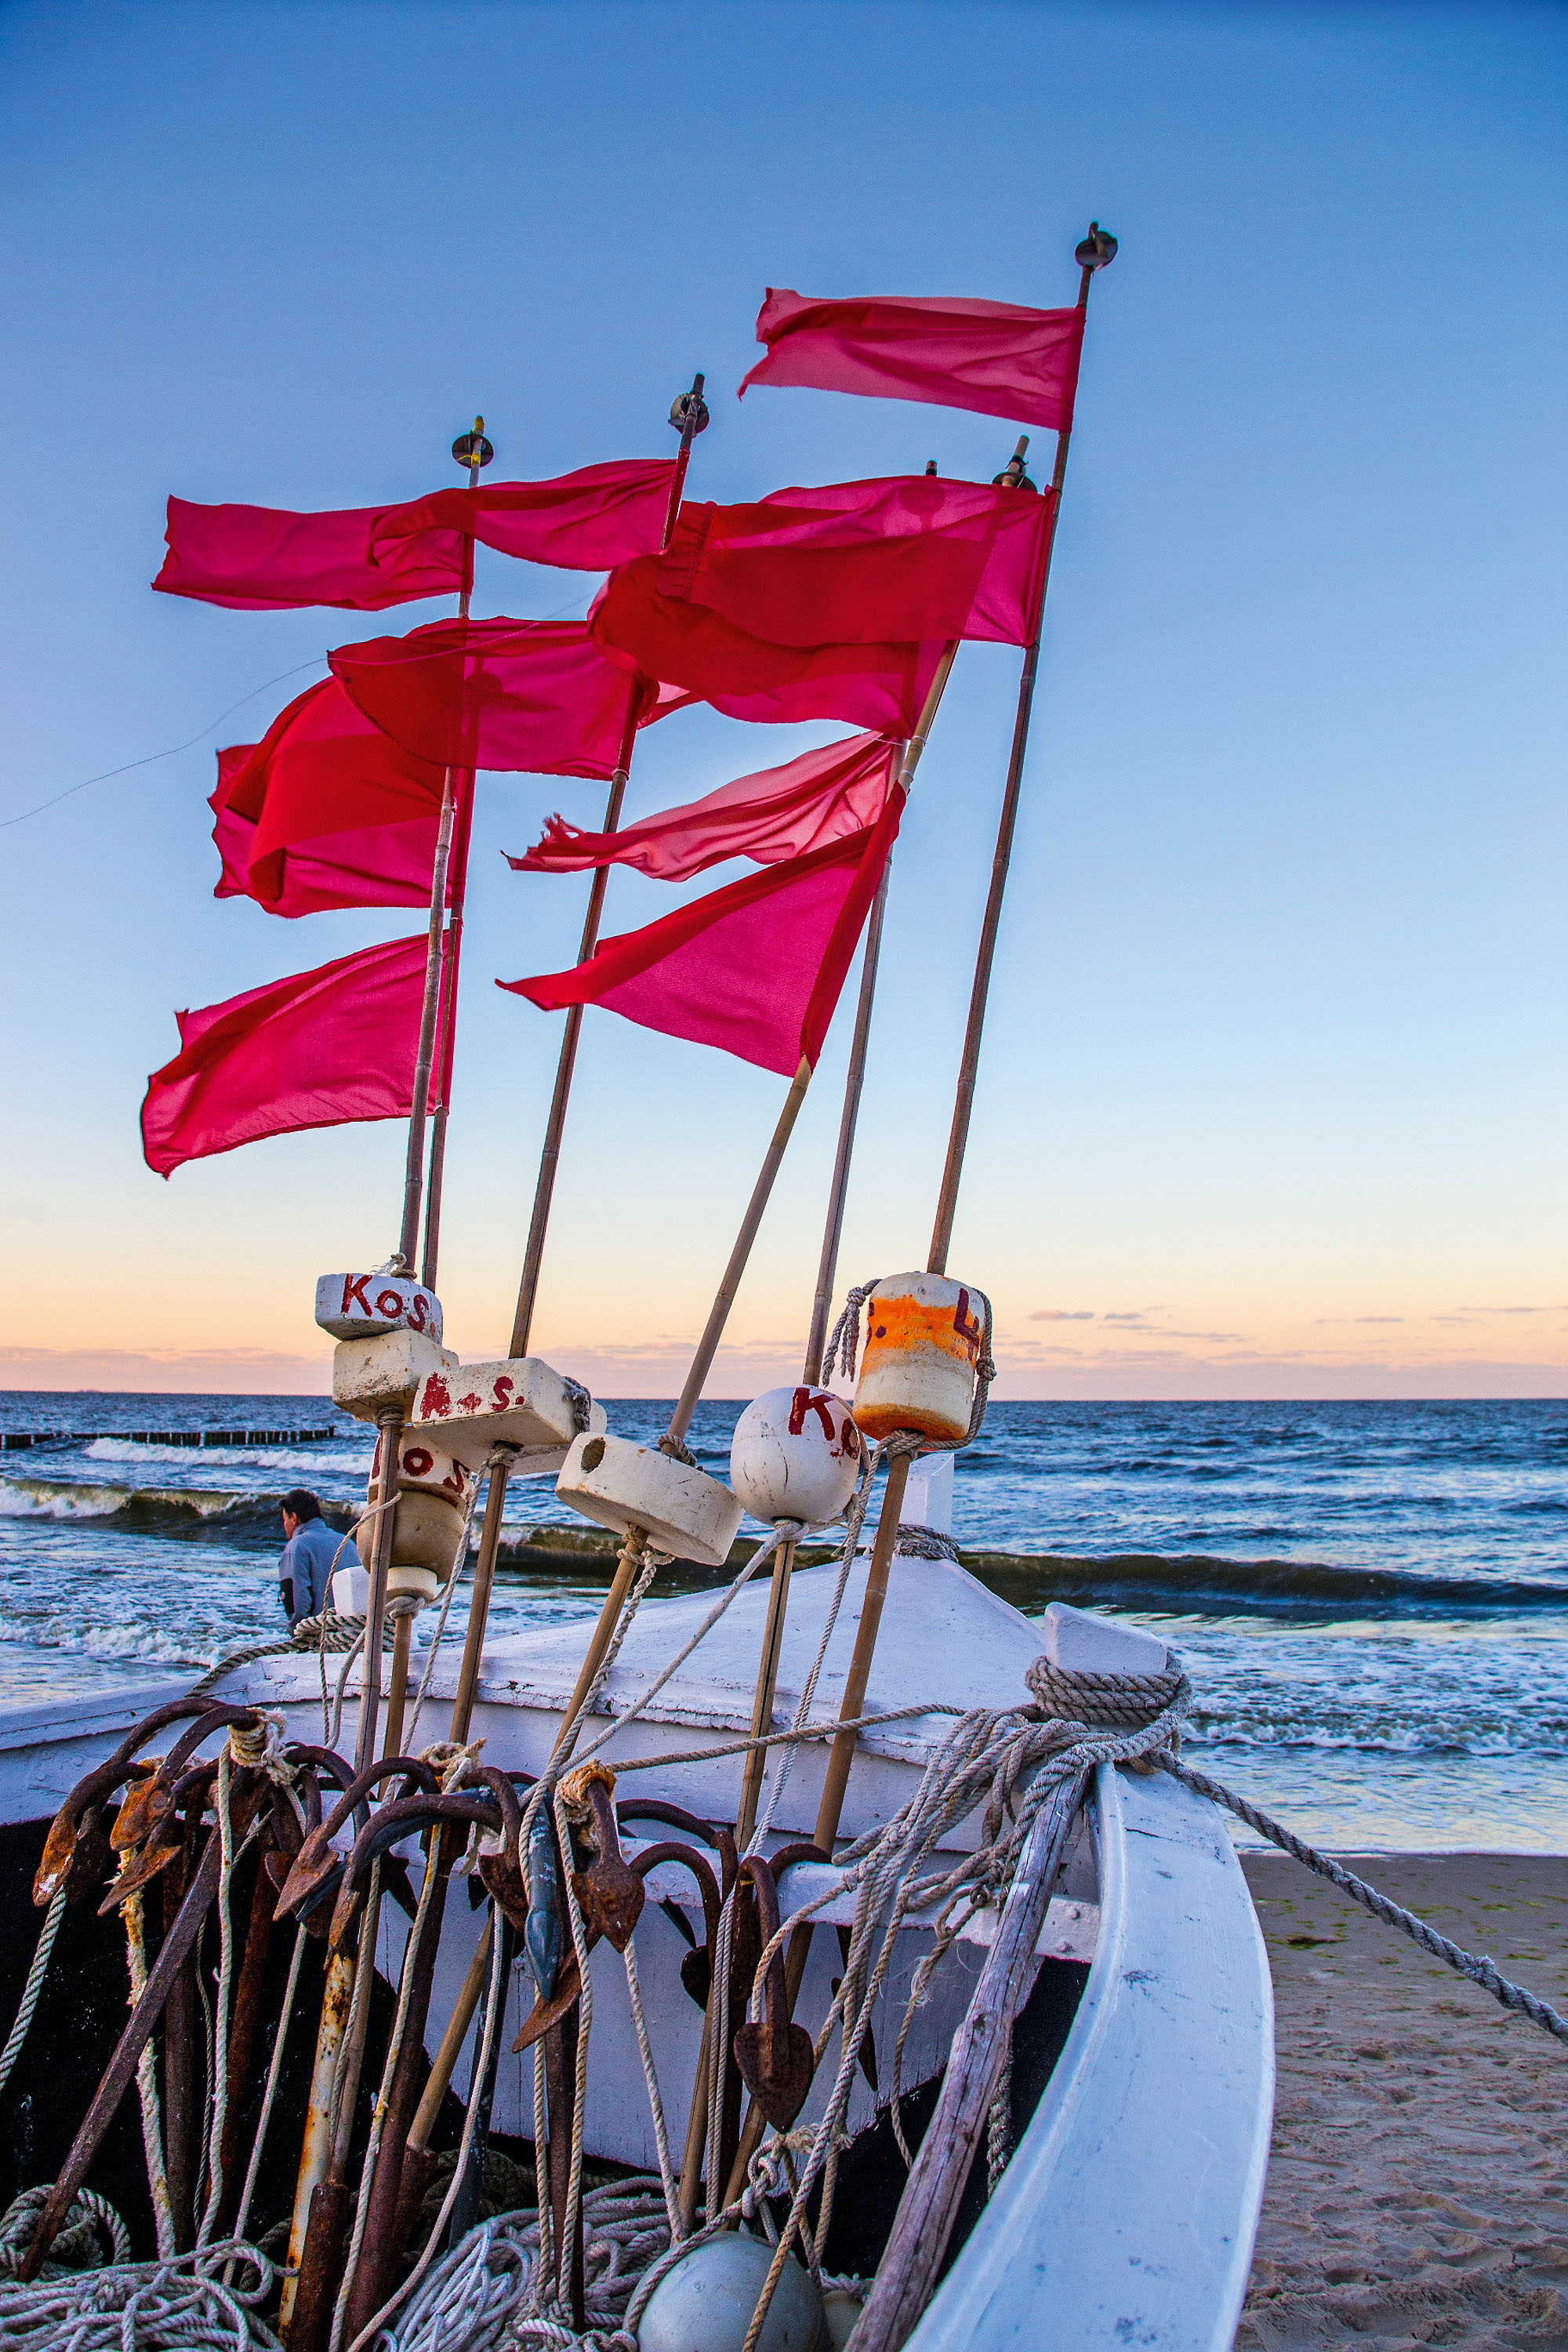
(371, 1374)
(357, 1306)
(795, 1454)
(1084, 1644)
(518, 1401)
(1126, 2215)
(620, 1484)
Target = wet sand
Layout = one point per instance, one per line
(1419, 2184)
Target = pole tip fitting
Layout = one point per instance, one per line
(689, 404)
(1097, 250)
(472, 448)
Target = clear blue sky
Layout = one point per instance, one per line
(1273, 1095)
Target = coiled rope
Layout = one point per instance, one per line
(179, 2305)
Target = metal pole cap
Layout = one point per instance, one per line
(1097, 250)
(472, 449)
(692, 403)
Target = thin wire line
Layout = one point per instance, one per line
(519, 629)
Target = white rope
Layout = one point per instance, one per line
(147, 2080)
(35, 1984)
(219, 2113)
(270, 2094)
(178, 2306)
(78, 2245)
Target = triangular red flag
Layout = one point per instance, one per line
(994, 358)
(755, 969)
(777, 813)
(319, 1049)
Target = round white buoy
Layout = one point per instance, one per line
(795, 1454)
(705, 2304)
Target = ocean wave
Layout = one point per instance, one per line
(1197, 1582)
(317, 1459)
(154, 1510)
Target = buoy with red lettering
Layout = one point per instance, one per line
(795, 1454)
(432, 1494)
(923, 1336)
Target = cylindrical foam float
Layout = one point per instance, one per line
(922, 1341)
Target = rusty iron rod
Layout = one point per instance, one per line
(958, 1139)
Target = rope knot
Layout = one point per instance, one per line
(1111, 1702)
(676, 1449)
(450, 1760)
(258, 1745)
(582, 1403)
(844, 1340)
(574, 1787)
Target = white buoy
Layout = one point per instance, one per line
(618, 1484)
(518, 1401)
(433, 1500)
(363, 1306)
(705, 2303)
(795, 1454)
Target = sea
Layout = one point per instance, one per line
(1372, 1599)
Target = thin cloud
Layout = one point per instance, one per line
(1379, 1318)
(1062, 1314)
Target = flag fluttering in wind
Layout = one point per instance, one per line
(849, 563)
(755, 969)
(319, 1049)
(264, 559)
(993, 357)
(882, 686)
(322, 770)
(534, 696)
(777, 813)
(369, 865)
(586, 521)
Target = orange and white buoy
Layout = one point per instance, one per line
(919, 1368)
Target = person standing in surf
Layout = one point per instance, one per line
(309, 1550)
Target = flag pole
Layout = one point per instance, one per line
(472, 450)
(1096, 251)
(689, 415)
(816, 1338)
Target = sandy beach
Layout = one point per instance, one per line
(1416, 2191)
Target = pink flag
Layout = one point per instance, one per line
(538, 696)
(755, 969)
(851, 562)
(586, 521)
(319, 1049)
(370, 865)
(264, 559)
(259, 559)
(693, 650)
(993, 357)
(321, 770)
(778, 814)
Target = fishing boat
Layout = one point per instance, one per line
(820, 1954)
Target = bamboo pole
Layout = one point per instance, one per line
(470, 449)
(1095, 253)
(691, 414)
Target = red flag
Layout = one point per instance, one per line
(755, 969)
(262, 559)
(532, 695)
(586, 521)
(855, 562)
(319, 1049)
(371, 866)
(993, 357)
(778, 814)
(882, 686)
(320, 770)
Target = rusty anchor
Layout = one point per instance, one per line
(609, 1893)
(775, 2056)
